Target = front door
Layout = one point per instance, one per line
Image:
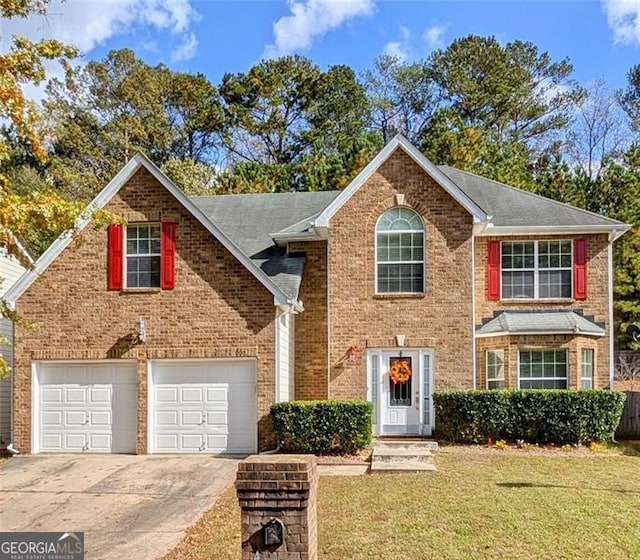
(400, 382)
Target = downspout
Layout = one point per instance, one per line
(473, 309)
(611, 324)
(10, 448)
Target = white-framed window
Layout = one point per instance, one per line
(400, 252)
(495, 369)
(537, 269)
(543, 369)
(142, 243)
(586, 368)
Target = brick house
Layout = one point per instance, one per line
(176, 331)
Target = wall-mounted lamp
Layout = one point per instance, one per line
(141, 330)
(352, 353)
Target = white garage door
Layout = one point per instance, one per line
(88, 407)
(204, 406)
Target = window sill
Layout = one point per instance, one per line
(140, 290)
(538, 301)
(399, 296)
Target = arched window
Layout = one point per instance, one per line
(400, 252)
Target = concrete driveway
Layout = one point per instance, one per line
(129, 506)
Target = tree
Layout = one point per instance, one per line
(619, 198)
(402, 96)
(108, 110)
(630, 97)
(283, 114)
(24, 64)
(597, 130)
(513, 93)
(193, 177)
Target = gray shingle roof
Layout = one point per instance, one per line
(250, 219)
(539, 322)
(509, 206)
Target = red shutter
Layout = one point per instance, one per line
(168, 256)
(580, 268)
(115, 233)
(493, 277)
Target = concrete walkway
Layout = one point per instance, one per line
(132, 507)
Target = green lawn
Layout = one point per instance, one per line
(480, 504)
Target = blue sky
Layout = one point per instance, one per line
(601, 38)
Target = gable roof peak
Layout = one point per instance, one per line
(399, 141)
(102, 199)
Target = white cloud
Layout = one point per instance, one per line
(311, 19)
(409, 47)
(400, 49)
(87, 24)
(623, 17)
(433, 36)
(186, 49)
(396, 50)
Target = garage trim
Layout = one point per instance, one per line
(151, 389)
(35, 391)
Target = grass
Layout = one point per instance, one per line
(482, 503)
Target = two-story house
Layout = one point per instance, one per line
(177, 330)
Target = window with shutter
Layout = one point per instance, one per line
(142, 256)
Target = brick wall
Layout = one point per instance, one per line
(441, 318)
(311, 326)
(596, 305)
(218, 309)
(282, 487)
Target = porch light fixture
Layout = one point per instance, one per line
(352, 352)
(141, 330)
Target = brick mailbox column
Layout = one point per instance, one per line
(280, 491)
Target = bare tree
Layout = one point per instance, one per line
(627, 367)
(598, 129)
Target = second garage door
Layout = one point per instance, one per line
(204, 406)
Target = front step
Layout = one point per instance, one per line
(402, 455)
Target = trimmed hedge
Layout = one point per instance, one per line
(531, 415)
(331, 426)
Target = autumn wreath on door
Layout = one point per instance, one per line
(400, 371)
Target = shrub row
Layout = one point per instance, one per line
(533, 415)
(331, 426)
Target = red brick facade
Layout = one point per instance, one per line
(219, 309)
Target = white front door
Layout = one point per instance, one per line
(400, 386)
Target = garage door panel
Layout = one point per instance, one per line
(52, 395)
(215, 417)
(167, 394)
(167, 418)
(75, 395)
(52, 441)
(219, 394)
(201, 419)
(100, 394)
(191, 418)
(75, 418)
(191, 394)
(52, 418)
(166, 442)
(100, 418)
(88, 407)
(75, 441)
